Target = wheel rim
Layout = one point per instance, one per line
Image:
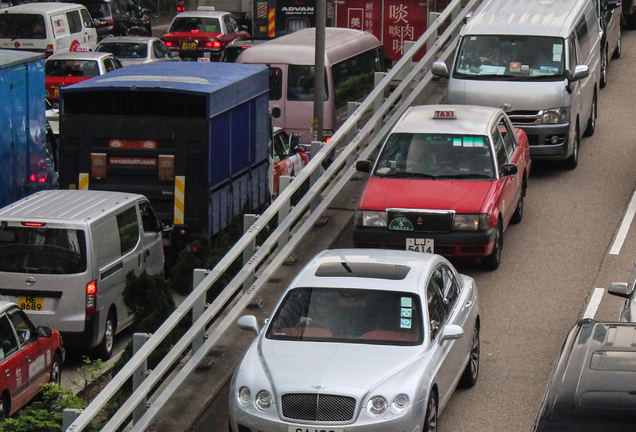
(56, 376)
(594, 112)
(3, 414)
(108, 336)
(604, 67)
(431, 417)
(474, 354)
(498, 244)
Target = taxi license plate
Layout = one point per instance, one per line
(29, 303)
(187, 45)
(313, 429)
(420, 245)
(56, 92)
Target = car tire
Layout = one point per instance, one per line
(591, 123)
(471, 373)
(573, 160)
(604, 66)
(4, 408)
(492, 261)
(517, 216)
(432, 414)
(105, 349)
(619, 46)
(56, 370)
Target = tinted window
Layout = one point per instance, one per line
(8, 342)
(128, 226)
(500, 148)
(86, 19)
(22, 26)
(148, 218)
(300, 83)
(42, 250)
(508, 137)
(71, 68)
(275, 83)
(583, 37)
(437, 311)
(74, 21)
(195, 24)
(353, 78)
(24, 328)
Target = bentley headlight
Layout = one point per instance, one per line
(244, 395)
(556, 115)
(400, 402)
(377, 405)
(263, 400)
(472, 222)
(370, 218)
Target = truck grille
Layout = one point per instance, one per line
(525, 117)
(318, 407)
(425, 220)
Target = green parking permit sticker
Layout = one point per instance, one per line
(405, 323)
(401, 224)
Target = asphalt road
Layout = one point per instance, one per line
(568, 245)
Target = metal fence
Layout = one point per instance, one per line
(292, 224)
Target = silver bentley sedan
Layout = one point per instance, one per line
(362, 340)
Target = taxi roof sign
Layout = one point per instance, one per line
(445, 114)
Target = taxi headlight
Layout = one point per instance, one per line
(556, 115)
(263, 400)
(244, 395)
(377, 405)
(400, 402)
(471, 222)
(370, 218)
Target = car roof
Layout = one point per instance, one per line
(39, 8)
(66, 205)
(202, 13)
(389, 270)
(6, 305)
(469, 119)
(595, 374)
(128, 39)
(528, 17)
(80, 55)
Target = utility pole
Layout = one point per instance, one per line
(319, 84)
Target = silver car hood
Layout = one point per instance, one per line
(340, 368)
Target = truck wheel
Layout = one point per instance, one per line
(105, 349)
(492, 261)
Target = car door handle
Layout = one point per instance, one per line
(468, 304)
(28, 358)
(7, 372)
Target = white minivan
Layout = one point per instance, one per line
(64, 257)
(48, 28)
(540, 61)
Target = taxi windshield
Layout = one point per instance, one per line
(506, 57)
(436, 156)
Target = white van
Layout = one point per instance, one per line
(49, 28)
(65, 254)
(539, 60)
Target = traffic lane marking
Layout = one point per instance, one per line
(624, 228)
(594, 303)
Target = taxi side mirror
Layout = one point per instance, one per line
(363, 166)
(509, 169)
(44, 332)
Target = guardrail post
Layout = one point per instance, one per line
(351, 108)
(284, 181)
(198, 307)
(139, 339)
(68, 417)
(250, 249)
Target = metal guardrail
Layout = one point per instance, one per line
(293, 224)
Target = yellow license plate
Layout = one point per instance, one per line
(56, 92)
(29, 303)
(188, 45)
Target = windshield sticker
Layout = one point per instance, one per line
(557, 49)
(405, 323)
(406, 302)
(556, 57)
(407, 313)
(468, 141)
(401, 224)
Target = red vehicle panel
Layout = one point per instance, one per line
(446, 183)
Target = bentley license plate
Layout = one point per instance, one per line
(29, 303)
(293, 428)
(420, 245)
(188, 45)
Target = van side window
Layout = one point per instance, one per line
(275, 83)
(8, 342)
(584, 37)
(24, 328)
(572, 54)
(74, 21)
(128, 226)
(86, 19)
(148, 218)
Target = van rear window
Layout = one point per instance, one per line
(42, 250)
(22, 26)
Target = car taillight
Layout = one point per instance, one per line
(213, 44)
(180, 8)
(105, 24)
(91, 297)
(49, 50)
(168, 43)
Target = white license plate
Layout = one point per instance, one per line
(420, 245)
(293, 428)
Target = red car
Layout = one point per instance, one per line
(29, 356)
(449, 180)
(202, 35)
(64, 69)
(289, 157)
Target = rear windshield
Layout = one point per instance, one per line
(71, 68)
(42, 250)
(97, 9)
(22, 26)
(124, 49)
(195, 25)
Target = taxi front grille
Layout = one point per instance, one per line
(318, 407)
(421, 220)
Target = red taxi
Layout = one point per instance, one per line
(289, 157)
(29, 356)
(449, 180)
(202, 34)
(68, 68)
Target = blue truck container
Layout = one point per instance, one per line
(26, 164)
(193, 137)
